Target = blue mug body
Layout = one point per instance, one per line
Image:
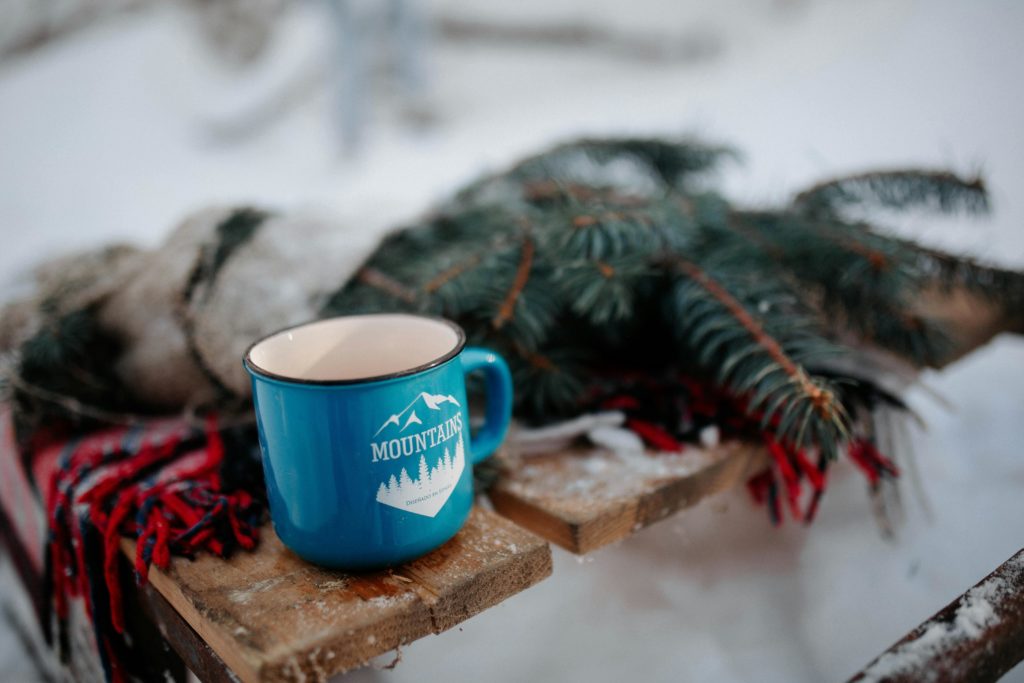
(364, 472)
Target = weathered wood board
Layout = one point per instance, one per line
(969, 320)
(271, 616)
(583, 499)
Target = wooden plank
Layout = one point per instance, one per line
(271, 616)
(974, 639)
(583, 499)
(970, 320)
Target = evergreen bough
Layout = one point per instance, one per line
(616, 253)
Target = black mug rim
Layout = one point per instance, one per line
(460, 344)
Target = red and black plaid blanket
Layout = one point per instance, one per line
(165, 483)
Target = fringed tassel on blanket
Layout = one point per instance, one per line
(666, 414)
(160, 484)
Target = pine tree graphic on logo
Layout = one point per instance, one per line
(428, 493)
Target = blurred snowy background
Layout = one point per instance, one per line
(124, 121)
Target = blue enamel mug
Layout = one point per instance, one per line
(365, 437)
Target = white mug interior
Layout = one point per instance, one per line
(355, 348)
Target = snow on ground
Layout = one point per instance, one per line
(110, 135)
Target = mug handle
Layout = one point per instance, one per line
(498, 383)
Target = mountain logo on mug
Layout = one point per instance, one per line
(405, 435)
(429, 491)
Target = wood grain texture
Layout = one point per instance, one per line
(271, 616)
(583, 499)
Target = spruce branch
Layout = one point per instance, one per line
(671, 161)
(450, 273)
(385, 283)
(522, 276)
(989, 281)
(546, 379)
(587, 279)
(864, 282)
(609, 297)
(646, 167)
(901, 189)
(552, 191)
(745, 357)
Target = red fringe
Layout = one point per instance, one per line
(649, 405)
(159, 485)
